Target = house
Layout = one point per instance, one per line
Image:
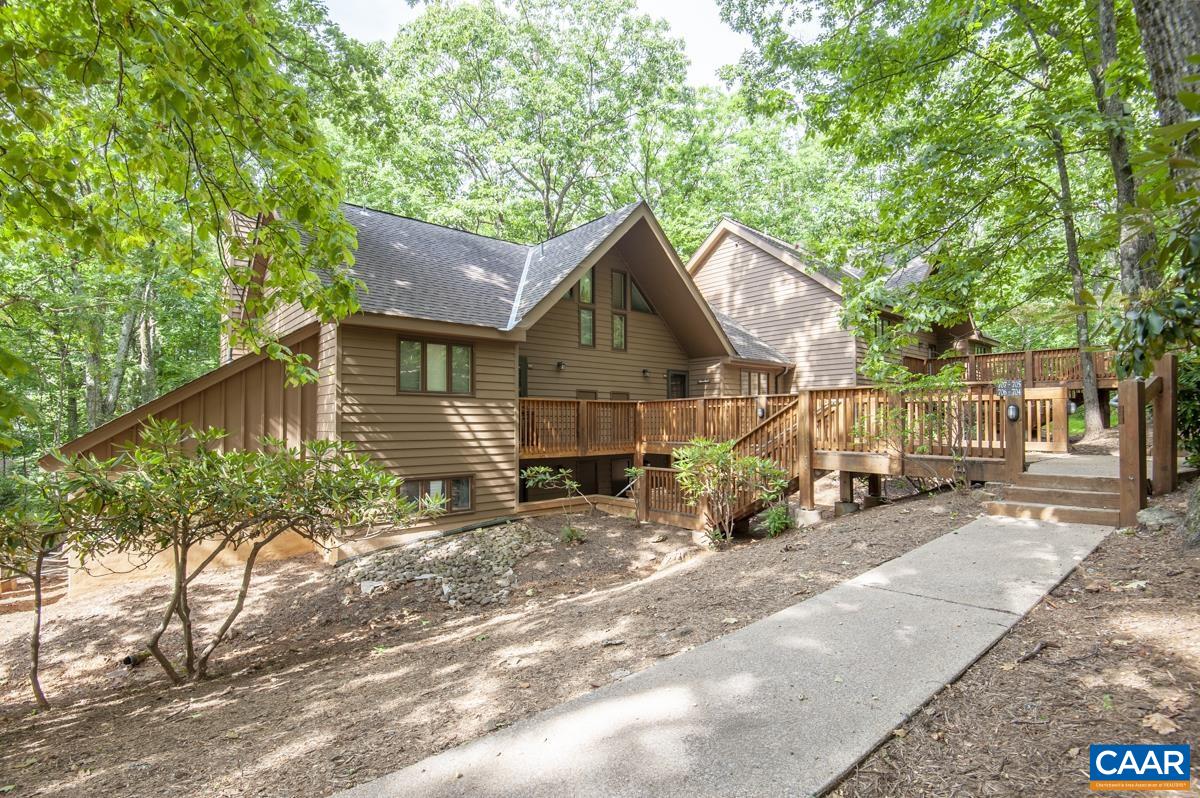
(472, 357)
(782, 297)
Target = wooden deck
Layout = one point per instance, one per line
(1050, 368)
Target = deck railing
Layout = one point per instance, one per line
(1049, 367)
(867, 420)
(662, 499)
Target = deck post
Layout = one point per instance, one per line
(1028, 377)
(1131, 418)
(1014, 436)
(581, 411)
(897, 422)
(846, 485)
(639, 445)
(702, 417)
(972, 371)
(643, 502)
(1062, 422)
(1164, 475)
(804, 451)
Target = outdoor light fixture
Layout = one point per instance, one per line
(645, 372)
(1014, 412)
(561, 365)
(1071, 408)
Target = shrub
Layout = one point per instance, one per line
(572, 535)
(777, 520)
(174, 491)
(33, 525)
(713, 473)
(548, 478)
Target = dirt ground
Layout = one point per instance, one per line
(324, 687)
(1111, 656)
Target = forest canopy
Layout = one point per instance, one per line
(1013, 145)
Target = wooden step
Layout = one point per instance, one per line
(1068, 482)
(1055, 512)
(1061, 496)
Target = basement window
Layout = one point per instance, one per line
(458, 491)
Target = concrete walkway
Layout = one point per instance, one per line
(786, 705)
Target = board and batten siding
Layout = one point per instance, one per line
(249, 402)
(787, 309)
(555, 337)
(429, 435)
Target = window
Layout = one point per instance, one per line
(587, 327)
(637, 300)
(619, 281)
(618, 331)
(457, 491)
(434, 367)
(619, 396)
(755, 383)
(586, 287)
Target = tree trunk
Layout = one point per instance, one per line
(152, 644)
(1091, 394)
(93, 362)
(1136, 239)
(35, 640)
(148, 348)
(1170, 32)
(247, 573)
(117, 376)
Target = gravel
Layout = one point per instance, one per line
(474, 569)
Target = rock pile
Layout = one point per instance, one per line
(471, 569)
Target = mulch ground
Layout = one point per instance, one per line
(1111, 656)
(323, 687)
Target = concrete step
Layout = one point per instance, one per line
(1068, 482)
(1055, 512)
(1061, 496)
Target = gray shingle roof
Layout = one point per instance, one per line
(746, 344)
(425, 271)
(911, 273)
(551, 261)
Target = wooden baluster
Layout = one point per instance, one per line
(1132, 437)
(1166, 463)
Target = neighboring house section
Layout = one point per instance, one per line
(779, 297)
(454, 329)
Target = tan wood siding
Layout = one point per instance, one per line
(783, 307)
(248, 404)
(705, 377)
(555, 337)
(423, 435)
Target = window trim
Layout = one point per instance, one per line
(633, 284)
(579, 325)
(748, 380)
(470, 478)
(612, 332)
(424, 342)
(624, 296)
(591, 275)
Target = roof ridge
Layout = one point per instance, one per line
(516, 305)
(438, 224)
(590, 221)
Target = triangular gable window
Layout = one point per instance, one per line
(637, 300)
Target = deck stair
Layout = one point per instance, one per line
(1062, 498)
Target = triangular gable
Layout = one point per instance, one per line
(766, 243)
(632, 218)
